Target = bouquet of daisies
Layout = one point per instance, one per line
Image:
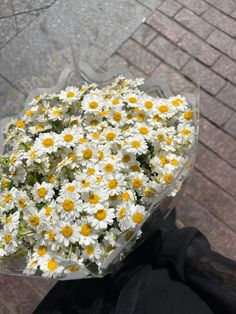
(83, 169)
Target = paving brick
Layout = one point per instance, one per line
(226, 67)
(220, 20)
(115, 60)
(196, 6)
(169, 52)
(213, 109)
(8, 30)
(218, 171)
(170, 7)
(230, 126)
(194, 23)
(198, 73)
(199, 49)
(19, 296)
(144, 35)
(218, 141)
(177, 82)
(191, 213)
(212, 197)
(5, 8)
(138, 56)
(228, 95)
(166, 26)
(223, 42)
(226, 6)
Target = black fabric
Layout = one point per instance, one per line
(173, 272)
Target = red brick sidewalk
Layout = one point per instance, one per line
(190, 40)
(184, 39)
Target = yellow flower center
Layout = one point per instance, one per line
(5, 183)
(168, 177)
(74, 268)
(51, 179)
(148, 104)
(143, 130)
(70, 188)
(87, 154)
(57, 112)
(101, 214)
(34, 220)
(96, 135)
(42, 192)
(185, 131)
(72, 156)
(136, 144)
(94, 199)
(8, 198)
(135, 168)
(94, 122)
(109, 168)
(157, 118)
(86, 230)
(9, 220)
(117, 116)
(122, 212)
(48, 142)
(164, 160)
(125, 196)
(137, 218)
(8, 238)
(163, 108)
(141, 116)
(70, 94)
(126, 158)
(115, 101)
(93, 105)
(160, 137)
(86, 184)
(112, 184)
(168, 140)
(68, 137)
(68, 205)
(137, 183)
(48, 211)
(132, 100)
(52, 265)
(110, 136)
(90, 171)
(176, 102)
(100, 155)
(22, 203)
(89, 249)
(51, 235)
(33, 154)
(67, 231)
(20, 124)
(188, 115)
(29, 113)
(148, 192)
(174, 162)
(42, 250)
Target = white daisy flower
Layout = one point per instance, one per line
(92, 103)
(87, 153)
(102, 218)
(70, 95)
(46, 143)
(92, 252)
(69, 137)
(42, 192)
(86, 234)
(69, 205)
(67, 233)
(136, 145)
(51, 267)
(12, 221)
(9, 240)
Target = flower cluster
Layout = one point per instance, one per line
(84, 167)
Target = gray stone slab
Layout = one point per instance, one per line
(24, 19)
(11, 100)
(21, 6)
(7, 30)
(5, 8)
(95, 28)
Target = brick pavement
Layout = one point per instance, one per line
(184, 39)
(193, 40)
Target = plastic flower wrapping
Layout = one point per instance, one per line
(85, 169)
